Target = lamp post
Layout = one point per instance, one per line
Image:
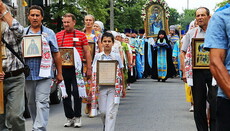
(187, 4)
(111, 15)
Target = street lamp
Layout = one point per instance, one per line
(187, 4)
(111, 15)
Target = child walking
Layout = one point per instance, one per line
(107, 100)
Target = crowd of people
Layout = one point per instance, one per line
(137, 57)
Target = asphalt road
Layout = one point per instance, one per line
(149, 106)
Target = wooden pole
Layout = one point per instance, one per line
(1, 82)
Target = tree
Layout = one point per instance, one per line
(98, 8)
(128, 14)
(54, 13)
(221, 4)
(174, 17)
(187, 17)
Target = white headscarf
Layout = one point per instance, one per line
(100, 24)
(123, 35)
(192, 24)
(114, 33)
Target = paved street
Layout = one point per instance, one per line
(149, 106)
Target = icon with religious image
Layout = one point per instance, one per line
(67, 56)
(155, 20)
(200, 58)
(32, 46)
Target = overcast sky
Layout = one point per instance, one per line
(193, 4)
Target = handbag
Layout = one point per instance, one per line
(26, 67)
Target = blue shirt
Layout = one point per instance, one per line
(218, 36)
(34, 63)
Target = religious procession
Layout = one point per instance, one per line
(92, 69)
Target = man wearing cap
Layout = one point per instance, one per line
(140, 53)
(174, 41)
(127, 32)
(134, 45)
(173, 36)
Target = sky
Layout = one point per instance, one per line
(193, 4)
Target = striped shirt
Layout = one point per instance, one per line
(75, 39)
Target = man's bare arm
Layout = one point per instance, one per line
(219, 71)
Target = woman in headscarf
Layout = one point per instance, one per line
(98, 26)
(163, 67)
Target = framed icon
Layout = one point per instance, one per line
(67, 56)
(155, 19)
(106, 72)
(32, 46)
(200, 58)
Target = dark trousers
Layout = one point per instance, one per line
(71, 89)
(202, 79)
(223, 114)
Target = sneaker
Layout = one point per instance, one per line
(77, 122)
(191, 109)
(128, 87)
(69, 122)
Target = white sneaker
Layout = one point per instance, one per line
(69, 122)
(191, 109)
(77, 122)
(128, 87)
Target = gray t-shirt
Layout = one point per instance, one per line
(187, 39)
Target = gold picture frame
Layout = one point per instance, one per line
(106, 72)
(32, 46)
(155, 20)
(200, 59)
(67, 56)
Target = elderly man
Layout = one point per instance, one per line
(217, 40)
(199, 79)
(13, 77)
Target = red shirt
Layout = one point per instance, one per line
(65, 39)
